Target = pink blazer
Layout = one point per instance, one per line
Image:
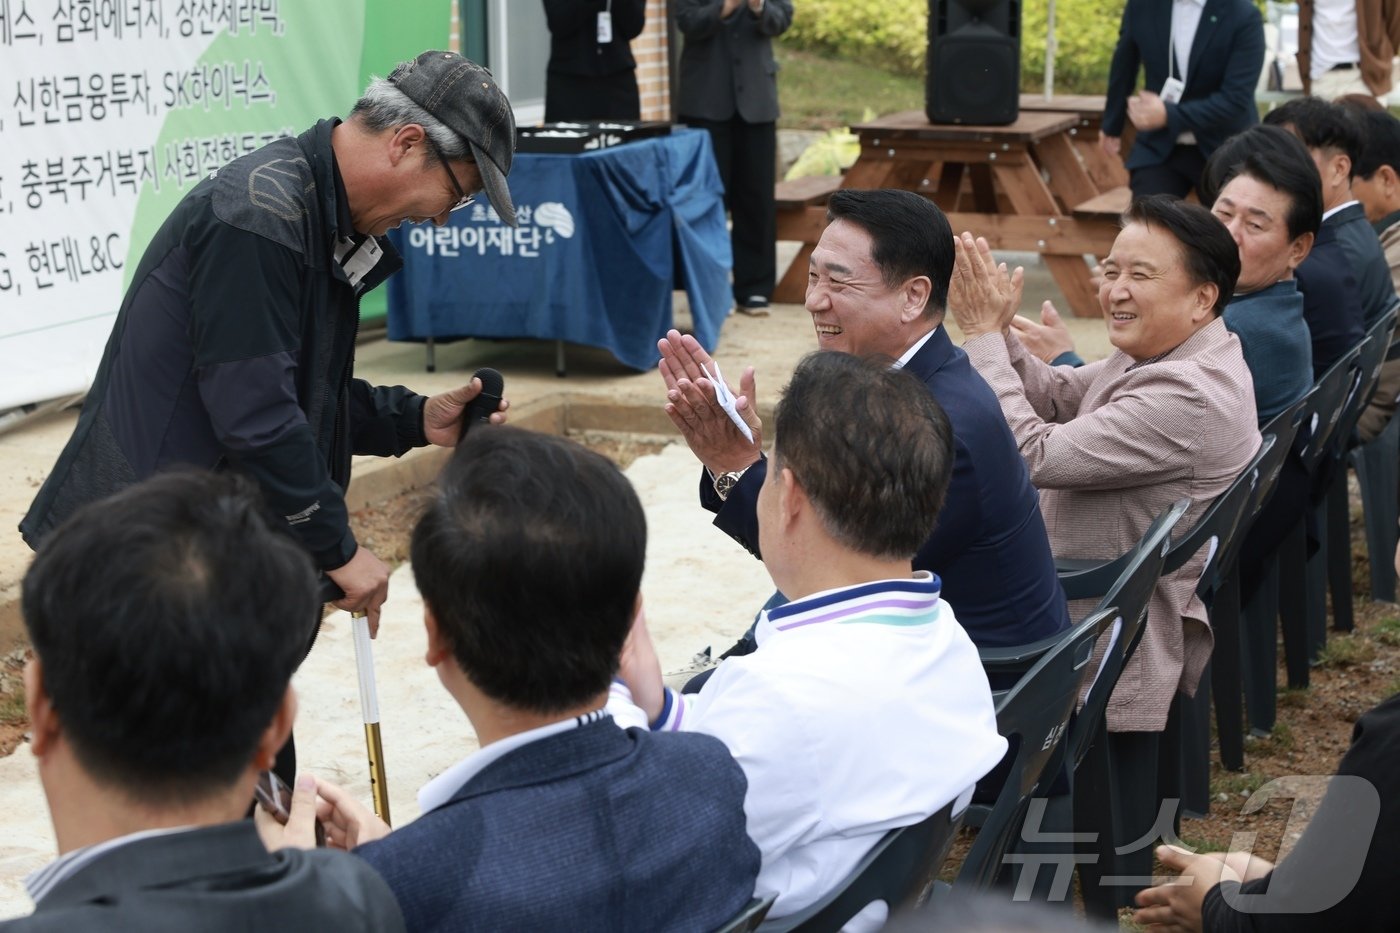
(1110, 445)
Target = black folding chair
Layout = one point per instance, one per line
(1321, 415)
(899, 870)
(1034, 717)
(750, 917)
(1330, 568)
(1220, 531)
(1127, 583)
(1377, 465)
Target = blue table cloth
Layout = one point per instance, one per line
(593, 260)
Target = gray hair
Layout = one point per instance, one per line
(385, 107)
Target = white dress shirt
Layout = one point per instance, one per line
(1186, 18)
(1334, 38)
(863, 709)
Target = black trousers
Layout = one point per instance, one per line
(747, 154)
(579, 98)
(1179, 175)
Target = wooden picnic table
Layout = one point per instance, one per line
(1017, 185)
(1106, 171)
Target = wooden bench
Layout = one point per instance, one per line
(801, 214)
(1110, 204)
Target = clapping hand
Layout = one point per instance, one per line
(982, 295)
(691, 405)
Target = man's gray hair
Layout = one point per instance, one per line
(384, 107)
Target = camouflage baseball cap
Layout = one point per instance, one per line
(464, 97)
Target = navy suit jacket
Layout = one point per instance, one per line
(1226, 57)
(1374, 287)
(594, 828)
(218, 878)
(989, 547)
(1331, 305)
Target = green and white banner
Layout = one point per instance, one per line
(111, 110)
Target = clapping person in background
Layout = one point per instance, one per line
(729, 86)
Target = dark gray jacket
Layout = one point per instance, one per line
(234, 348)
(727, 65)
(216, 879)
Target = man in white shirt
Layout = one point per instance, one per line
(1347, 47)
(864, 706)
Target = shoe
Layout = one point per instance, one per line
(699, 664)
(754, 306)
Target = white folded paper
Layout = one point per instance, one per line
(725, 399)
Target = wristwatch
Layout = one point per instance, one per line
(725, 483)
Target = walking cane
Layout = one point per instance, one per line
(369, 708)
(369, 700)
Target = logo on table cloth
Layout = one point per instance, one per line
(538, 225)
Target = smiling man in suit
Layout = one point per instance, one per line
(878, 286)
(1201, 61)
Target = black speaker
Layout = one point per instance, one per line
(974, 61)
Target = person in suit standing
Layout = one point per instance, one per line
(729, 86)
(592, 74)
(166, 622)
(529, 559)
(1111, 445)
(1201, 61)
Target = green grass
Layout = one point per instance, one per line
(11, 707)
(1387, 630)
(818, 93)
(1345, 651)
(1238, 786)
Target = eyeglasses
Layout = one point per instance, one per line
(463, 199)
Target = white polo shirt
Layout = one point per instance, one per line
(863, 709)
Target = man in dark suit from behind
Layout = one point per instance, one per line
(529, 559)
(1200, 61)
(166, 622)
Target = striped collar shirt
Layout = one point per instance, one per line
(912, 601)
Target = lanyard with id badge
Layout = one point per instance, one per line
(1173, 87)
(605, 25)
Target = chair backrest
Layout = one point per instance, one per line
(1368, 362)
(1217, 530)
(1325, 404)
(750, 917)
(1128, 599)
(1034, 717)
(1283, 426)
(899, 870)
(1126, 577)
